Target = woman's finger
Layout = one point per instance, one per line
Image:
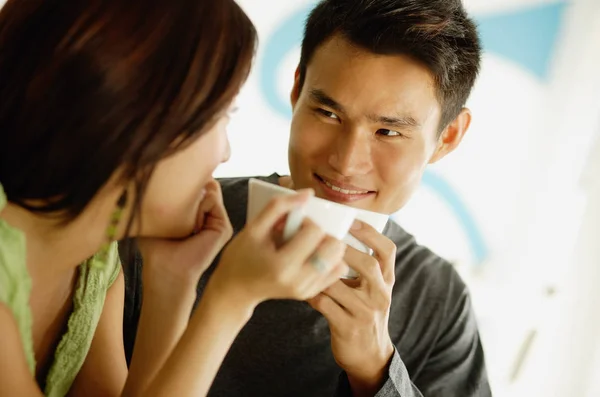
(277, 208)
(321, 264)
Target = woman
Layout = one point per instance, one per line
(112, 120)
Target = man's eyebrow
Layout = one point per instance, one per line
(394, 122)
(322, 98)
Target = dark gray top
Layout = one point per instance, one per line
(284, 350)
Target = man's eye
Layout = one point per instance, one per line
(385, 132)
(328, 114)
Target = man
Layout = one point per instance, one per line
(378, 95)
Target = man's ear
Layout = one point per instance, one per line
(452, 135)
(295, 94)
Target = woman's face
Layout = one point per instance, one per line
(176, 188)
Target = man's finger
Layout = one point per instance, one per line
(367, 266)
(347, 297)
(339, 271)
(333, 312)
(383, 248)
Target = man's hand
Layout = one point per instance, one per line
(358, 312)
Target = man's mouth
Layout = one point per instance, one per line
(345, 191)
(342, 192)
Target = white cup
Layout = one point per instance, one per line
(335, 219)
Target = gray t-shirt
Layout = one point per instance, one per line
(284, 350)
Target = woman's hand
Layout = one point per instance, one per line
(255, 267)
(185, 260)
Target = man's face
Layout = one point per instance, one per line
(364, 127)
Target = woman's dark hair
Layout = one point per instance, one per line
(89, 87)
(438, 33)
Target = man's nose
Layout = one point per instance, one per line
(351, 154)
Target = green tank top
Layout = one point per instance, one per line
(88, 301)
